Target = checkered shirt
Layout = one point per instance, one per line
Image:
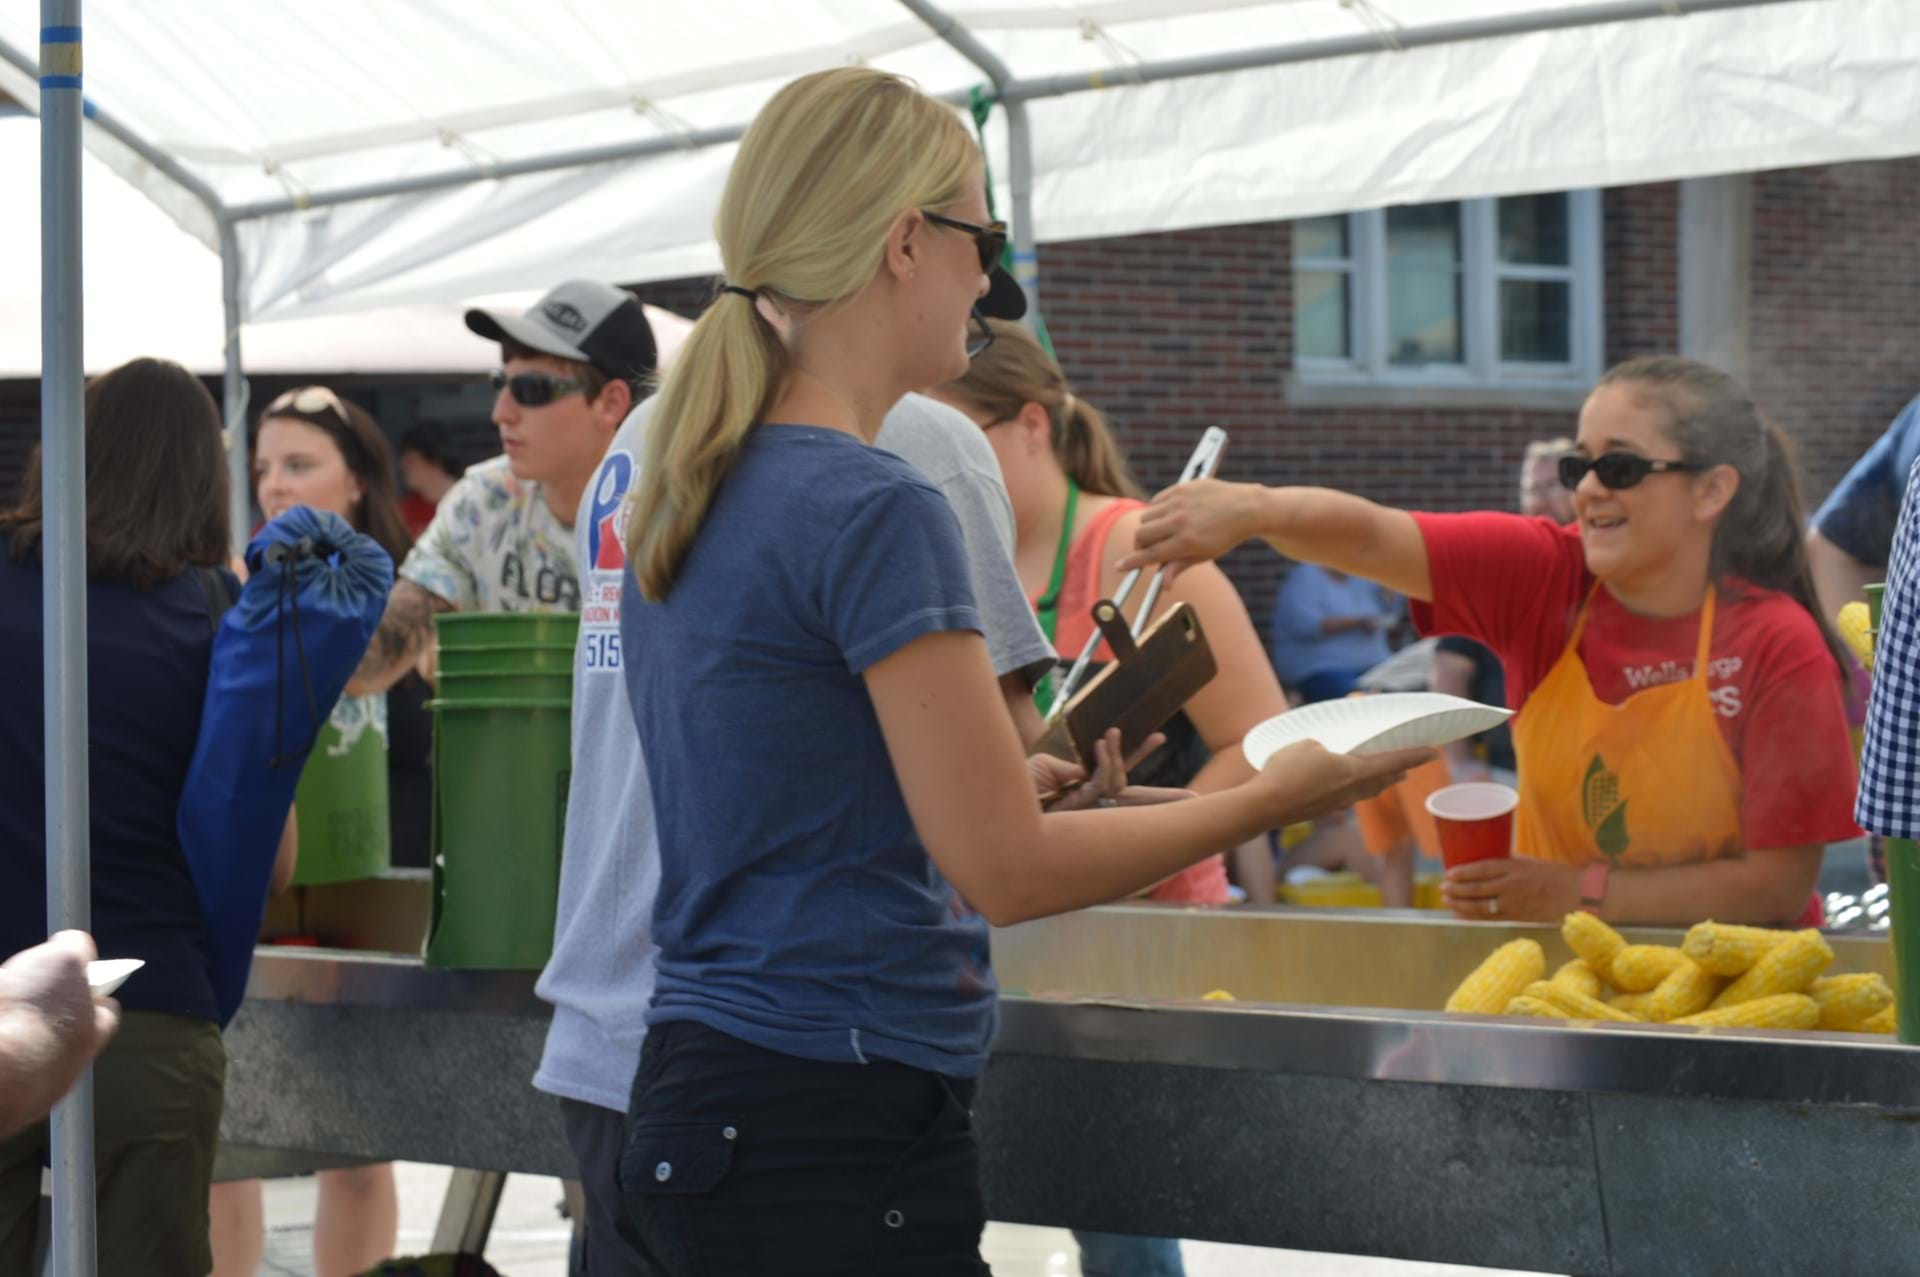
(1889, 801)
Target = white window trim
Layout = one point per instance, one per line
(1368, 379)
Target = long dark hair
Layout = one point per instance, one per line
(156, 478)
(1712, 419)
(1017, 370)
(368, 455)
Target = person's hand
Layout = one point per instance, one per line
(1517, 888)
(1305, 780)
(1107, 787)
(1195, 521)
(51, 1025)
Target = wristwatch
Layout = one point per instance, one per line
(1593, 886)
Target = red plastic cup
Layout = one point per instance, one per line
(1475, 822)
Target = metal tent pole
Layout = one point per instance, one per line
(63, 468)
(233, 398)
(1514, 24)
(1026, 258)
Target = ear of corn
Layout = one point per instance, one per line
(1853, 623)
(1593, 940)
(1775, 1011)
(1686, 990)
(1634, 1004)
(1884, 1022)
(1498, 980)
(1579, 977)
(1848, 1001)
(1576, 1005)
(1639, 968)
(1524, 1005)
(1788, 967)
(1723, 949)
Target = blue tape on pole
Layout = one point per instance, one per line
(59, 35)
(59, 81)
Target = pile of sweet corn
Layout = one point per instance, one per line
(1745, 977)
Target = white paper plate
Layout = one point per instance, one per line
(1374, 724)
(108, 974)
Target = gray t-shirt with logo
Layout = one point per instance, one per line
(601, 976)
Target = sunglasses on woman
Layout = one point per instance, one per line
(535, 389)
(1617, 470)
(311, 400)
(990, 239)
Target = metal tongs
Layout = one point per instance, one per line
(1204, 462)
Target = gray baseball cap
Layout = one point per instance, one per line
(584, 320)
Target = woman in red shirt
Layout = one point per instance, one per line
(1075, 508)
(1682, 742)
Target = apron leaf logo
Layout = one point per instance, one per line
(1604, 810)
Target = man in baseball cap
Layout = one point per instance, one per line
(571, 367)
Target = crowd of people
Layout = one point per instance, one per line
(827, 565)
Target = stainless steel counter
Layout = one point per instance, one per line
(1312, 1112)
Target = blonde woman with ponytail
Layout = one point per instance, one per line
(1682, 741)
(840, 795)
(1075, 509)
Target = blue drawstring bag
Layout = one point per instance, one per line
(282, 656)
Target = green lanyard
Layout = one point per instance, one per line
(1048, 605)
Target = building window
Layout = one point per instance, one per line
(1476, 295)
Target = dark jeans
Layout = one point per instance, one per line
(742, 1161)
(612, 1246)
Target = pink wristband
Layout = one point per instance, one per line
(1593, 886)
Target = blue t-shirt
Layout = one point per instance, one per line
(1859, 514)
(798, 909)
(1310, 595)
(147, 658)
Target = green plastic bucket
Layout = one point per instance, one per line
(471, 687)
(341, 799)
(501, 767)
(508, 629)
(504, 658)
(1903, 890)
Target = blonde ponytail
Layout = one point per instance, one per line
(825, 169)
(1016, 371)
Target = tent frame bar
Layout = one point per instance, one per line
(1016, 91)
(63, 587)
(1026, 256)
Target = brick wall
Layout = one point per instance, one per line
(1640, 255)
(1836, 305)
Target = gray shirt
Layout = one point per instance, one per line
(600, 978)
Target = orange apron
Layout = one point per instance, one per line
(1647, 782)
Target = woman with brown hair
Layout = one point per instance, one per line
(1681, 739)
(156, 550)
(1075, 508)
(313, 448)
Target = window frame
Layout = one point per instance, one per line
(1483, 372)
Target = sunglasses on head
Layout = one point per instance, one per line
(535, 389)
(1617, 470)
(311, 400)
(990, 239)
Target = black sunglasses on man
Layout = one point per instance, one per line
(535, 389)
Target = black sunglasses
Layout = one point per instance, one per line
(1617, 470)
(535, 389)
(990, 239)
(980, 334)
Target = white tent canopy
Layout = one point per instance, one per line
(271, 101)
(152, 289)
